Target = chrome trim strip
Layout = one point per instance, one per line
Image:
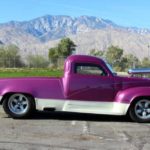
(139, 71)
(1, 98)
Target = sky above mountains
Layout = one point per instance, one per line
(135, 13)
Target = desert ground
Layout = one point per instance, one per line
(70, 131)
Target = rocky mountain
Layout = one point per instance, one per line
(53, 27)
(38, 35)
(134, 43)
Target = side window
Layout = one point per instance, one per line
(89, 69)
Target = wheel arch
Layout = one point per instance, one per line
(135, 99)
(10, 93)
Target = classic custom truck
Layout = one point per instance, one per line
(88, 86)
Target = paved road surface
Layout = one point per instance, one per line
(67, 131)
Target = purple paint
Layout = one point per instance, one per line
(74, 86)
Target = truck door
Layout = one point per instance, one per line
(90, 82)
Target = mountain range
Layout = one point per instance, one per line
(38, 35)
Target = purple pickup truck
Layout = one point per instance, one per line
(88, 86)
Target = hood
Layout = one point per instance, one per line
(129, 82)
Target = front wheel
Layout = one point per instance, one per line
(140, 110)
(18, 105)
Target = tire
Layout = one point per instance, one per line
(140, 111)
(19, 105)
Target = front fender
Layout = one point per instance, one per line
(128, 95)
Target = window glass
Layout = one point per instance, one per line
(89, 69)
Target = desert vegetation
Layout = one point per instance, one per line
(53, 65)
(121, 62)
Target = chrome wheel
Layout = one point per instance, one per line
(18, 104)
(142, 109)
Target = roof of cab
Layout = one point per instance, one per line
(84, 58)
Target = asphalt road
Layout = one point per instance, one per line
(68, 131)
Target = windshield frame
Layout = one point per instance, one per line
(111, 68)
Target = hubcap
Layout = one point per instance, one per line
(142, 109)
(18, 104)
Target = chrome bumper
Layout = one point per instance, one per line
(0, 99)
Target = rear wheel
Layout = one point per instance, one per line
(18, 105)
(140, 110)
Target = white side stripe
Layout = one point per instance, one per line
(111, 108)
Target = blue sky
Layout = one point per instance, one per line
(123, 12)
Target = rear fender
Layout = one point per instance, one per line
(8, 91)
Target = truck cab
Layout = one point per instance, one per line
(88, 79)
